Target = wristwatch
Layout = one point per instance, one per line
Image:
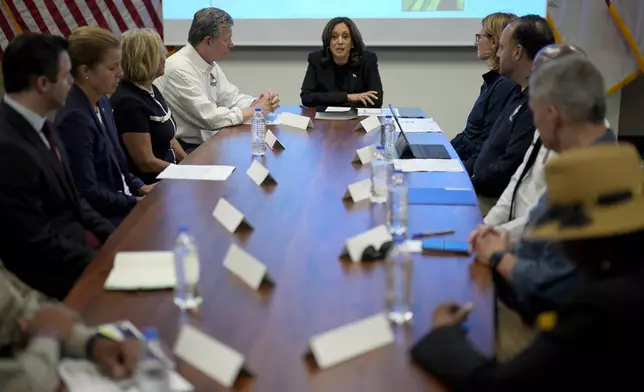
(496, 258)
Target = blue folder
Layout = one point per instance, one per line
(446, 246)
(442, 196)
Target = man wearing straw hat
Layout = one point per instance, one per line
(568, 103)
(593, 342)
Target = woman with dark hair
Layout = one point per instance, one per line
(592, 342)
(343, 73)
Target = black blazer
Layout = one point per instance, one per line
(44, 218)
(319, 87)
(595, 345)
(95, 155)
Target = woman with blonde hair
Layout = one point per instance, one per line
(86, 126)
(143, 119)
(495, 91)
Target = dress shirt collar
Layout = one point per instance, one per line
(197, 60)
(34, 119)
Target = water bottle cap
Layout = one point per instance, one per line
(151, 334)
(388, 116)
(183, 229)
(398, 171)
(380, 147)
(258, 110)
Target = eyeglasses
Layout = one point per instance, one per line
(478, 36)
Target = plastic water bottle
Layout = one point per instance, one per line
(187, 294)
(399, 268)
(258, 133)
(151, 374)
(389, 136)
(397, 204)
(379, 170)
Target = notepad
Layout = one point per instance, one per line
(196, 172)
(81, 375)
(142, 271)
(428, 165)
(442, 196)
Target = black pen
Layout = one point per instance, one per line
(432, 234)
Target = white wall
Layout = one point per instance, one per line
(444, 82)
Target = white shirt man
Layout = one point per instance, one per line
(510, 216)
(202, 99)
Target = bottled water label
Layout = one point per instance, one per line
(191, 268)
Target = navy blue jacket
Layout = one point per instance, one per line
(503, 151)
(95, 155)
(496, 90)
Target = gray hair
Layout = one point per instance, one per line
(573, 85)
(208, 22)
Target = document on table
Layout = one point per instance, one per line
(377, 112)
(411, 125)
(337, 109)
(335, 115)
(142, 271)
(428, 165)
(197, 172)
(80, 375)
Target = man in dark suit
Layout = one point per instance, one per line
(50, 232)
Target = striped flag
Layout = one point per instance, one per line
(589, 24)
(61, 17)
(629, 18)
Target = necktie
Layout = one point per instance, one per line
(529, 163)
(46, 130)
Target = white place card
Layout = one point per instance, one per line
(359, 191)
(273, 142)
(296, 121)
(428, 165)
(142, 271)
(369, 124)
(349, 341)
(196, 172)
(229, 216)
(259, 174)
(241, 263)
(364, 155)
(376, 237)
(210, 356)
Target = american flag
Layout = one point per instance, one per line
(61, 17)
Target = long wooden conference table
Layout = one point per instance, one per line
(300, 227)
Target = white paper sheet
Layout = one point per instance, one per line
(338, 116)
(197, 172)
(428, 165)
(337, 109)
(376, 112)
(80, 375)
(142, 271)
(415, 125)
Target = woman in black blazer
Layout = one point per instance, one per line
(86, 126)
(343, 73)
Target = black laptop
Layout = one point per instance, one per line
(405, 150)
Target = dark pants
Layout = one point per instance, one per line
(506, 294)
(188, 147)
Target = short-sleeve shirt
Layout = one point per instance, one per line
(139, 111)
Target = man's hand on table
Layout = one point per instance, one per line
(116, 359)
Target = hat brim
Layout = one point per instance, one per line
(603, 222)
